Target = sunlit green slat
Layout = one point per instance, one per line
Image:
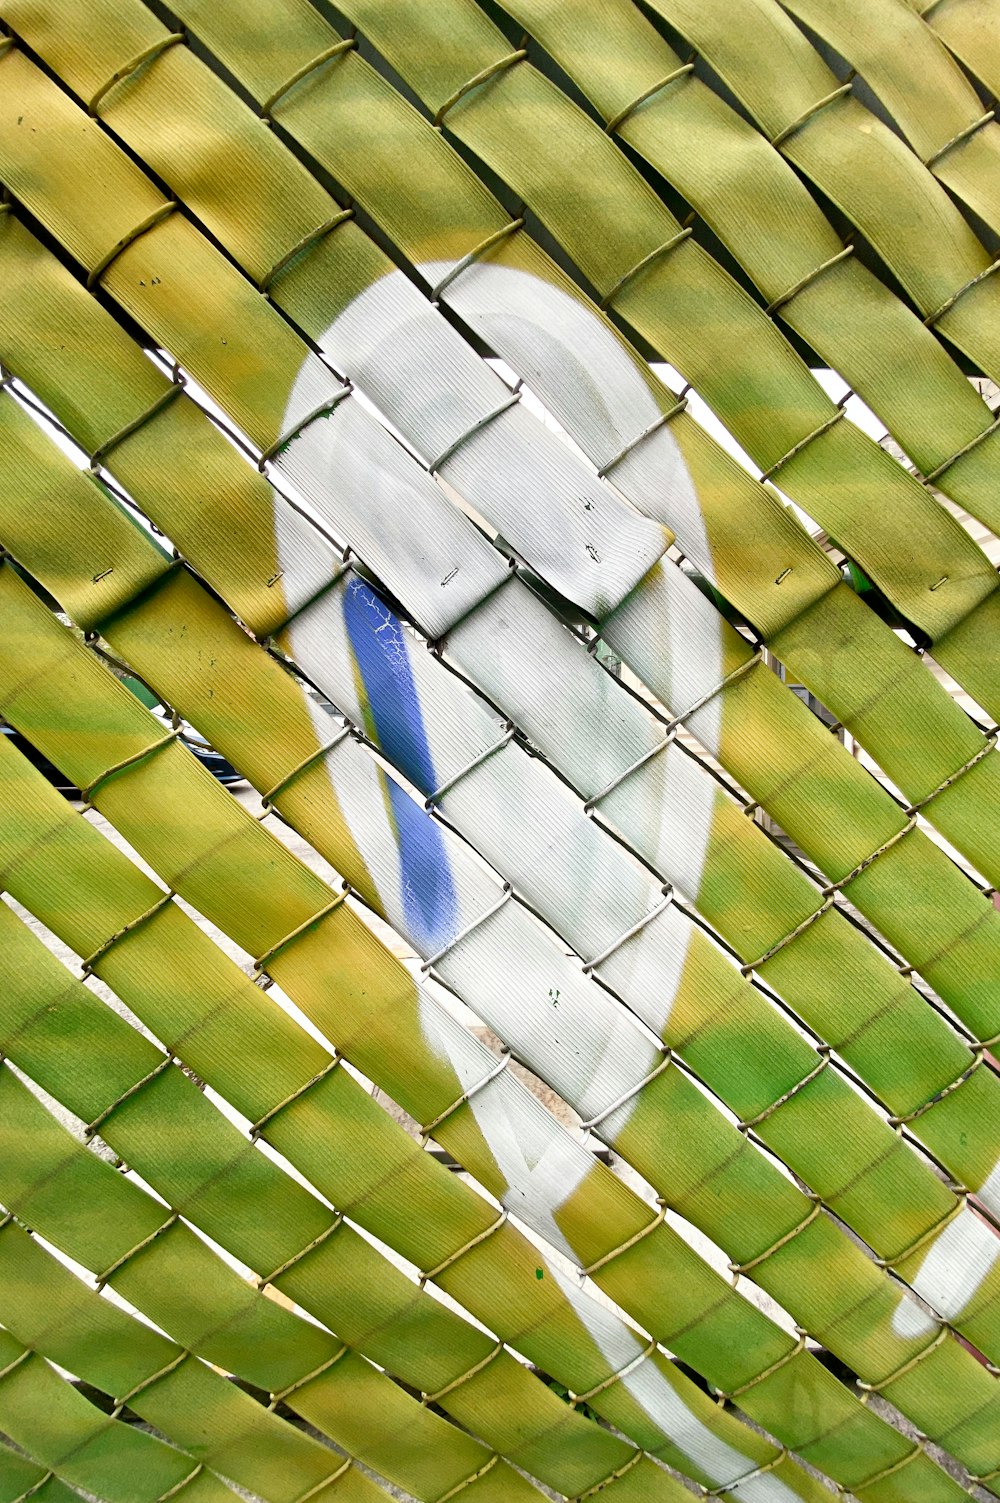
(342, 1281)
(190, 995)
(303, 966)
(686, 1177)
(968, 28)
(211, 1420)
(61, 1431)
(803, 828)
(178, 1281)
(924, 91)
(18, 1476)
(175, 443)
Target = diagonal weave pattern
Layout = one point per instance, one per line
(566, 1066)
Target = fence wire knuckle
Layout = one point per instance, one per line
(968, 448)
(433, 1273)
(665, 417)
(959, 137)
(485, 75)
(263, 961)
(11, 1367)
(803, 443)
(87, 793)
(442, 1117)
(337, 50)
(670, 729)
(269, 1116)
(905, 1367)
(289, 1263)
(808, 280)
(435, 798)
(147, 55)
(617, 121)
(730, 1395)
(133, 1090)
(480, 919)
(664, 1063)
(281, 1395)
(476, 254)
(886, 1472)
(758, 1471)
(92, 960)
(630, 1242)
(305, 243)
(834, 887)
(427, 1399)
(335, 1476)
(576, 1399)
(126, 1257)
(614, 1476)
(150, 222)
(284, 783)
(164, 400)
(786, 939)
(344, 568)
(966, 287)
(978, 1058)
(477, 427)
(824, 1051)
(592, 965)
(179, 1487)
(35, 1487)
(809, 114)
(739, 1269)
(988, 745)
(323, 410)
(133, 1393)
(640, 266)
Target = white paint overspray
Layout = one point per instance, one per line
(953, 1267)
(541, 1175)
(661, 1401)
(556, 342)
(550, 330)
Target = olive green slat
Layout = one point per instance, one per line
(744, 190)
(57, 1316)
(969, 29)
(651, 1258)
(219, 730)
(174, 445)
(210, 1418)
(21, 1479)
(950, 945)
(852, 157)
(183, 1287)
(672, 1095)
(924, 90)
(522, 127)
(203, 1167)
(178, 1281)
(909, 686)
(61, 1431)
(341, 1281)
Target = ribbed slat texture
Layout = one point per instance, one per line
(495, 644)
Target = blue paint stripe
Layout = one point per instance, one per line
(396, 724)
